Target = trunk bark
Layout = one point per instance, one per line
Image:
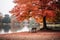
(44, 24)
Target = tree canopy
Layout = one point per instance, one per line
(37, 9)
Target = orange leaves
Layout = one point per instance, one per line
(22, 1)
(49, 13)
(24, 7)
(32, 8)
(39, 19)
(15, 9)
(35, 8)
(35, 1)
(46, 1)
(20, 19)
(22, 15)
(26, 1)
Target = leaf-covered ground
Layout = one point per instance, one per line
(31, 36)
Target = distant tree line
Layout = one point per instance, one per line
(4, 23)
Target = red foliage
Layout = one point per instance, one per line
(49, 13)
(33, 8)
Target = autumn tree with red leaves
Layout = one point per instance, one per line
(38, 9)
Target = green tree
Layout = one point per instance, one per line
(6, 21)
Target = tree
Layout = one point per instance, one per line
(6, 21)
(1, 21)
(36, 9)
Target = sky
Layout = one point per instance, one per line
(6, 6)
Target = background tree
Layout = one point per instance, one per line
(40, 10)
(6, 20)
(1, 21)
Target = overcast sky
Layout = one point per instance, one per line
(6, 6)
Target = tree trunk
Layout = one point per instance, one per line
(44, 24)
